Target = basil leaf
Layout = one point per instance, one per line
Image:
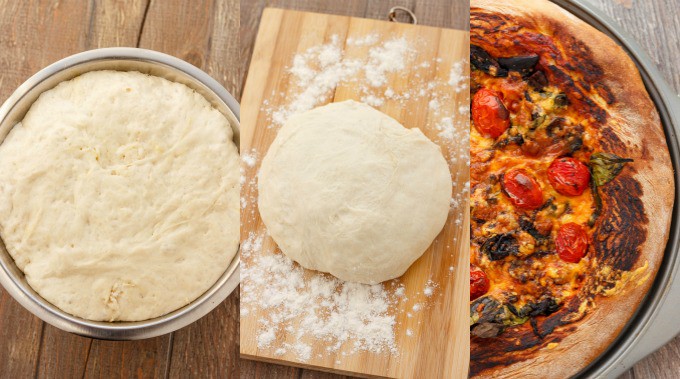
(605, 167)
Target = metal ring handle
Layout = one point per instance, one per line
(392, 15)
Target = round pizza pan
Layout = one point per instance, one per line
(121, 59)
(655, 322)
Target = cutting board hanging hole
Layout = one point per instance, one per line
(397, 10)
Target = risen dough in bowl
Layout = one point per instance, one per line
(346, 189)
(119, 196)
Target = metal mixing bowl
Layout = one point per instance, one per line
(121, 59)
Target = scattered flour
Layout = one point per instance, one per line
(429, 288)
(326, 308)
(249, 158)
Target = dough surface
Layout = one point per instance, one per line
(346, 189)
(119, 196)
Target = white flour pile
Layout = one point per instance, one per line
(296, 307)
(329, 309)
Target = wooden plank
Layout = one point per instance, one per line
(63, 352)
(655, 27)
(126, 359)
(33, 35)
(208, 347)
(251, 13)
(20, 334)
(432, 353)
(662, 364)
(440, 13)
(261, 370)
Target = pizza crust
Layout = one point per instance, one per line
(642, 138)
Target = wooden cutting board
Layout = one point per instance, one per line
(437, 342)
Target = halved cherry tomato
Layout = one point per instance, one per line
(522, 189)
(569, 176)
(479, 283)
(489, 114)
(571, 242)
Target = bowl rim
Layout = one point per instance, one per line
(124, 330)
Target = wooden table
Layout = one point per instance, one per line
(654, 25)
(36, 33)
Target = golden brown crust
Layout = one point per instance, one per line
(633, 130)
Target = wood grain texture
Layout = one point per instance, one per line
(251, 11)
(655, 25)
(36, 33)
(439, 347)
(442, 13)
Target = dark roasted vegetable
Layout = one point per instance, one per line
(488, 317)
(555, 126)
(528, 226)
(574, 143)
(544, 307)
(523, 64)
(538, 80)
(487, 330)
(561, 100)
(481, 60)
(516, 139)
(500, 246)
(605, 167)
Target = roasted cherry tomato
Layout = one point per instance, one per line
(522, 189)
(569, 176)
(489, 114)
(479, 283)
(571, 242)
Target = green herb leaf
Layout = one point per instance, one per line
(511, 319)
(605, 167)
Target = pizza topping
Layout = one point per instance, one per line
(479, 283)
(538, 80)
(523, 64)
(606, 167)
(489, 114)
(481, 60)
(539, 231)
(568, 176)
(489, 317)
(500, 246)
(522, 189)
(571, 242)
(543, 307)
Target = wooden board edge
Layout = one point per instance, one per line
(303, 365)
(281, 9)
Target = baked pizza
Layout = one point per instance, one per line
(571, 190)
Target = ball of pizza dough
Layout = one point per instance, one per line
(346, 189)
